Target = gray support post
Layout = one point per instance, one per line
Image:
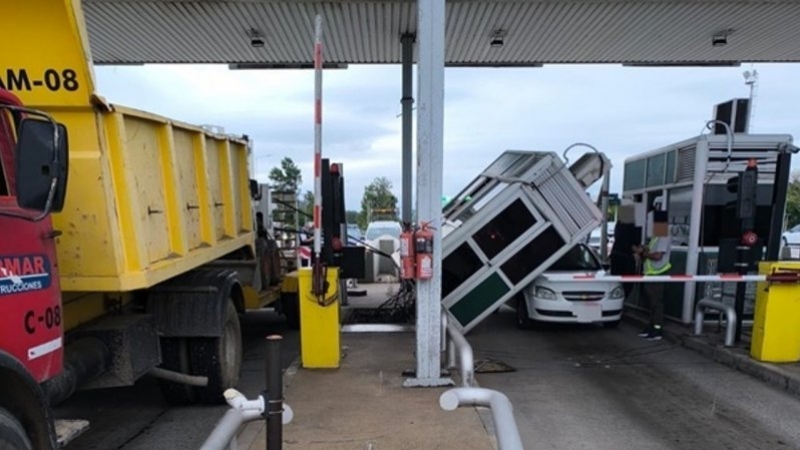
(274, 394)
(407, 41)
(696, 214)
(430, 148)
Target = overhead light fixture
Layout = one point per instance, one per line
(497, 38)
(267, 65)
(720, 38)
(256, 38)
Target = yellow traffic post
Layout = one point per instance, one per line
(776, 325)
(320, 331)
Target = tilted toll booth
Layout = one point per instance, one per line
(518, 217)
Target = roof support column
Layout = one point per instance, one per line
(430, 149)
(407, 41)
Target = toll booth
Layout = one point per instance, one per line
(511, 223)
(694, 180)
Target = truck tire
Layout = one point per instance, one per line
(175, 356)
(219, 359)
(12, 435)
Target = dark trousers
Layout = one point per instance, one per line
(623, 264)
(654, 292)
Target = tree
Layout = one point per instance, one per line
(287, 177)
(307, 206)
(351, 216)
(793, 200)
(378, 202)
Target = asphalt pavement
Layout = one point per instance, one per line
(588, 387)
(573, 388)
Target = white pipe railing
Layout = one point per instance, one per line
(505, 426)
(242, 411)
(730, 313)
(453, 342)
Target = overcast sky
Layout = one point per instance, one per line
(621, 111)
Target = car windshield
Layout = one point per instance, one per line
(353, 232)
(578, 258)
(376, 232)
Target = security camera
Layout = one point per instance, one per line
(257, 42)
(719, 40)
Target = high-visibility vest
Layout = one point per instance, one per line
(649, 268)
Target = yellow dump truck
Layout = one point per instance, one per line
(128, 241)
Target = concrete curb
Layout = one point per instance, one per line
(736, 358)
(251, 430)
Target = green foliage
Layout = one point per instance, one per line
(378, 202)
(287, 177)
(793, 200)
(307, 206)
(351, 216)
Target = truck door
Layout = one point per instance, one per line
(30, 303)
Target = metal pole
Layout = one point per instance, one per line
(604, 207)
(407, 41)
(696, 215)
(318, 281)
(430, 143)
(779, 189)
(274, 395)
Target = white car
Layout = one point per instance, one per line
(791, 237)
(380, 228)
(568, 302)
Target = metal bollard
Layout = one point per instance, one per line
(274, 394)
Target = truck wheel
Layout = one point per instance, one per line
(290, 308)
(12, 435)
(219, 359)
(175, 356)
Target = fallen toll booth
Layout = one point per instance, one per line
(518, 217)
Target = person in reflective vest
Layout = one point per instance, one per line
(655, 257)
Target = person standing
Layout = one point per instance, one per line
(626, 236)
(655, 259)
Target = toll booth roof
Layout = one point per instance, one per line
(273, 33)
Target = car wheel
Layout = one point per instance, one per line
(524, 321)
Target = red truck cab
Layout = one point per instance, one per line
(33, 168)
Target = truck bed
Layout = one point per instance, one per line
(148, 198)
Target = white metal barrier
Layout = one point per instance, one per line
(242, 411)
(730, 313)
(505, 426)
(453, 342)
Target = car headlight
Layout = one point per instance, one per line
(544, 293)
(617, 293)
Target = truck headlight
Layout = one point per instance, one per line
(617, 293)
(544, 293)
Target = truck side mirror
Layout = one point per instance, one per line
(255, 192)
(42, 154)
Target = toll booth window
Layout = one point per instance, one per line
(457, 267)
(504, 228)
(533, 255)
